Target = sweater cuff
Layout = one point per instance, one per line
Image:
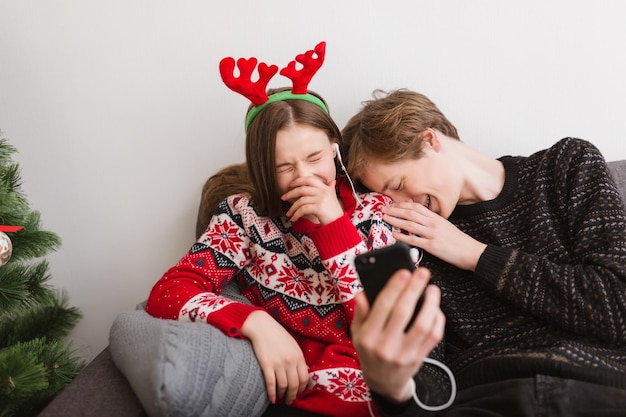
(492, 263)
(335, 237)
(388, 408)
(230, 319)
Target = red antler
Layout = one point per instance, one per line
(300, 79)
(253, 91)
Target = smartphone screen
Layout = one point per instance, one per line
(377, 266)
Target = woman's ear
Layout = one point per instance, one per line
(337, 151)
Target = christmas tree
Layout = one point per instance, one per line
(35, 362)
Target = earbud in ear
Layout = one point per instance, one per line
(336, 146)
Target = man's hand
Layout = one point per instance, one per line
(435, 234)
(388, 355)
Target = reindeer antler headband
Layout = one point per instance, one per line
(256, 92)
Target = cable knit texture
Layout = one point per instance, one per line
(161, 359)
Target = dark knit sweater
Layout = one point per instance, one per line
(549, 293)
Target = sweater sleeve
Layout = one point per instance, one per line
(190, 289)
(577, 281)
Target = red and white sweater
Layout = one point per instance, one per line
(302, 274)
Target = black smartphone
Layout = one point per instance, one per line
(377, 266)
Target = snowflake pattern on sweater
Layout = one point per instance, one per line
(302, 274)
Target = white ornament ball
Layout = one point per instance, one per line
(6, 248)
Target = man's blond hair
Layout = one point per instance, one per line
(389, 128)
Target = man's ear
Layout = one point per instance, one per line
(431, 137)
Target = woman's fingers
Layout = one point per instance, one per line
(282, 383)
(281, 359)
(270, 384)
(303, 375)
(293, 384)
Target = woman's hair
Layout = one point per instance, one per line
(261, 145)
(389, 128)
(232, 179)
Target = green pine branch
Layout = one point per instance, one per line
(34, 372)
(22, 284)
(35, 361)
(48, 317)
(30, 242)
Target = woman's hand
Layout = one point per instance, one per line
(388, 355)
(435, 234)
(281, 359)
(312, 196)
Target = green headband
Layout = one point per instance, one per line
(283, 95)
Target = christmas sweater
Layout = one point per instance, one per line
(548, 295)
(302, 274)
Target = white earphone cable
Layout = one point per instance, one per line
(343, 168)
(452, 388)
(414, 390)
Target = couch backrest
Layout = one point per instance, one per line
(618, 169)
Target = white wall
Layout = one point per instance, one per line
(119, 113)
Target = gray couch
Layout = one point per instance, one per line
(100, 390)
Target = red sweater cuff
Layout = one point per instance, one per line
(230, 318)
(335, 237)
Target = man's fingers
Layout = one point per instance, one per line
(407, 301)
(391, 292)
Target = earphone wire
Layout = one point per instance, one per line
(345, 171)
(414, 390)
(452, 388)
(354, 193)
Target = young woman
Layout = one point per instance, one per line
(529, 254)
(289, 243)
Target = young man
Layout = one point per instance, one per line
(529, 254)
